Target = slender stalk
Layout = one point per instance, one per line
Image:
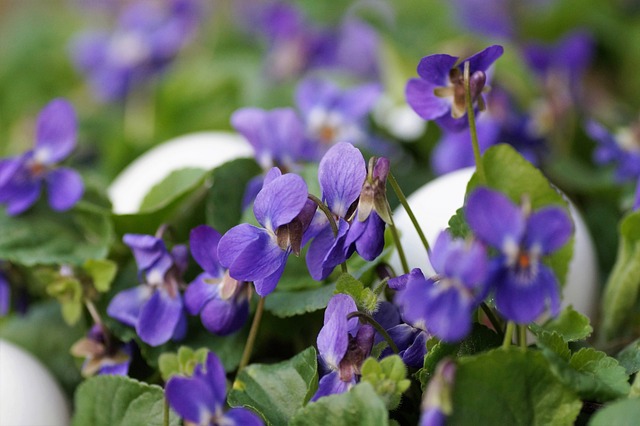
(403, 200)
(253, 332)
(493, 319)
(165, 420)
(522, 336)
(508, 334)
(396, 237)
(332, 222)
(98, 320)
(368, 318)
(472, 126)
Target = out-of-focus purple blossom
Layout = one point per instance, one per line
(366, 233)
(5, 295)
(439, 93)
(334, 115)
(523, 284)
(147, 37)
(154, 308)
(200, 399)
(103, 354)
(22, 177)
(411, 341)
(221, 301)
(444, 304)
(341, 174)
(437, 401)
(343, 345)
(259, 254)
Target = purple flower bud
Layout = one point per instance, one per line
(102, 352)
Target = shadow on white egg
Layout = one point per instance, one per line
(435, 203)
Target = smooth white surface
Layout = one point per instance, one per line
(29, 395)
(204, 150)
(435, 203)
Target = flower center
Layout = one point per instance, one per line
(456, 91)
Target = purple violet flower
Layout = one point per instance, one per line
(102, 353)
(148, 36)
(341, 174)
(155, 307)
(200, 399)
(439, 92)
(22, 177)
(221, 301)
(411, 341)
(5, 295)
(523, 284)
(343, 345)
(437, 399)
(444, 304)
(334, 115)
(260, 254)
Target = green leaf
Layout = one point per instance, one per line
(183, 362)
(619, 413)
(553, 343)
(102, 272)
(622, 289)
(172, 186)
(119, 400)
(363, 296)
(68, 291)
(42, 236)
(510, 387)
(224, 200)
(388, 378)
(359, 406)
(277, 391)
(289, 303)
(629, 357)
(601, 377)
(507, 171)
(458, 225)
(570, 324)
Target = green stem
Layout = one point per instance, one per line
(368, 318)
(403, 200)
(472, 126)
(332, 222)
(522, 336)
(508, 334)
(165, 421)
(253, 332)
(396, 237)
(493, 319)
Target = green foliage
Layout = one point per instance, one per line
(277, 391)
(102, 273)
(570, 324)
(364, 297)
(388, 378)
(176, 183)
(183, 362)
(510, 387)
(289, 303)
(359, 406)
(68, 291)
(119, 401)
(625, 412)
(629, 357)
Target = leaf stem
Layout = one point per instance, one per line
(472, 126)
(508, 334)
(253, 332)
(369, 319)
(332, 222)
(403, 200)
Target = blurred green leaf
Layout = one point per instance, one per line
(175, 184)
(388, 378)
(570, 324)
(625, 412)
(102, 272)
(629, 357)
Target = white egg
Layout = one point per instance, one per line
(204, 150)
(29, 395)
(435, 203)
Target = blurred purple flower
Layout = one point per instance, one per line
(146, 39)
(444, 304)
(5, 295)
(343, 345)
(439, 92)
(221, 301)
(411, 341)
(260, 254)
(437, 399)
(200, 399)
(523, 284)
(334, 115)
(22, 177)
(341, 174)
(155, 307)
(103, 354)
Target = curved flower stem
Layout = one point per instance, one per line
(165, 420)
(522, 336)
(248, 347)
(396, 237)
(508, 334)
(495, 322)
(403, 200)
(332, 222)
(472, 126)
(368, 318)
(93, 312)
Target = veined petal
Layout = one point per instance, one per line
(420, 96)
(199, 293)
(548, 229)
(280, 201)
(216, 378)
(159, 318)
(203, 241)
(413, 356)
(65, 188)
(126, 305)
(267, 284)
(250, 253)
(370, 241)
(482, 60)
(191, 398)
(494, 218)
(341, 173)
(147, 249)
(435, 68)
(331, 384)
(326, 252)
(333, 339)
(242, 417)
(56, 131)
(223, 317)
